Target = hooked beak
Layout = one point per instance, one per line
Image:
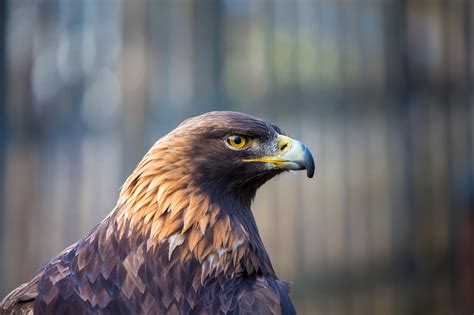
(291, 155)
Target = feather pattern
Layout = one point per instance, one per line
(170, 246)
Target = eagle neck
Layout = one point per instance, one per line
(256, 259)
(163, 206)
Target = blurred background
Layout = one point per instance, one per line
(380, 90)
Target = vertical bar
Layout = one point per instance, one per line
(209, 34)
(446, 99)
(3, 126)
(463, 266)
(397, 84)
(219, 42)
(298, 212)
(344, 114)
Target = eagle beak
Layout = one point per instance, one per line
(291, 155)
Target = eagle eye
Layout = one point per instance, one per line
(237, 142)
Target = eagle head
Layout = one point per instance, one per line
(231, 154)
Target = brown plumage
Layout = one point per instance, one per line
(182, 238)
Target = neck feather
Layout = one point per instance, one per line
(159, 204)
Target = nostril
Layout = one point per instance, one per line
(283, 147)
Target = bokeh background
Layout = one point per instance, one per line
(380, 90)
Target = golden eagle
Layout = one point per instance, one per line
(182, 238)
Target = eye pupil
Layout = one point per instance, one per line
(237, 140)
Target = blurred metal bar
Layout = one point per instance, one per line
(3, 125)
(397, 82)
(447, 98)
(344, 31)
(207, 36)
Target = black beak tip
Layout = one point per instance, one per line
(309, 163)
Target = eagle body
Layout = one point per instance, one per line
(182, 238)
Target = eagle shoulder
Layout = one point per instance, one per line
(264, 295)
(21, 299)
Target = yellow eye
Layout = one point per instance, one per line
(237, 142)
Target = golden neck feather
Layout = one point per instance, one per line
(159, 203)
